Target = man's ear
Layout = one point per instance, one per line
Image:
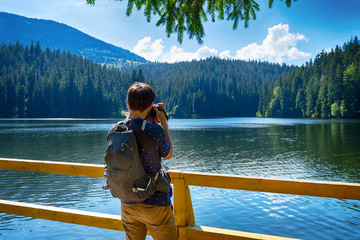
(127, 103)
(150, 107)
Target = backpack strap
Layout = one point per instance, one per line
(145, 140)
(143, 125)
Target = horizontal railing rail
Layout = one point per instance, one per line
(183, 209)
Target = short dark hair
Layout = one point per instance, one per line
(140, 96)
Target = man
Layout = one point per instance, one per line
(153, 214)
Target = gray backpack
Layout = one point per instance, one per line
(125, 175)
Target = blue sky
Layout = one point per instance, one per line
(285, 35)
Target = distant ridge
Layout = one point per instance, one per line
(61, 36)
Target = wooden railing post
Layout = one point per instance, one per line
(183, 210)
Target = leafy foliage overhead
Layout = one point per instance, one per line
(181, 16)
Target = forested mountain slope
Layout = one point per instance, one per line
(45, 83)
(56, 35)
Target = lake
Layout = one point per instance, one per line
(278, 148)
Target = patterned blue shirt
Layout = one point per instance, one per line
(152, 165)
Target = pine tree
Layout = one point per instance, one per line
(179, 16)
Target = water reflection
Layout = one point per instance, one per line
(328, 150)
(284, 148)
(54, 140)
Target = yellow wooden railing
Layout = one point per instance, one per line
(183, 210)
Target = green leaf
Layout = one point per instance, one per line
(175, 13)
(270, 3)
(129, 7)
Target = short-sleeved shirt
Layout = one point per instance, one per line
(152, 165)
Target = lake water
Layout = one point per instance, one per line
(279, 148)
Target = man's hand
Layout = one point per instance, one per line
(160, 115)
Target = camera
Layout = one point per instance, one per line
(152, 113)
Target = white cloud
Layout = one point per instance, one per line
(205, 52)
(279, 46)
(225, 55)
(148, 49)
(177, 54)
(328, 50)
(153, 50)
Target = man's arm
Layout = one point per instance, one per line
(161, 117)
(168, 138)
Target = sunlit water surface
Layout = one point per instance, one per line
(278, 148)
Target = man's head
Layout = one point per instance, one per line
(140, 96)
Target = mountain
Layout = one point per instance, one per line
(56, 35)
(45, 83)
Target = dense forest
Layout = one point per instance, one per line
(327, 87)
(36, 82)
(212, 87)
(45, 83)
